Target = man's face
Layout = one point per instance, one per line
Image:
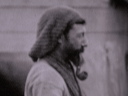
(76, 38)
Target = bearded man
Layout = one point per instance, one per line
(57, 53)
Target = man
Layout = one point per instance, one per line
(60, 41)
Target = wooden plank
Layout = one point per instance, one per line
(90, 3)
(98, 20)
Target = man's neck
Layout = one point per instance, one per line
(60, 53)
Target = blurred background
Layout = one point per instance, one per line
(106, 55)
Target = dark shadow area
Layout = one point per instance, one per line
(126, 61)
(14, 68)
(7, 88)
(119, 3)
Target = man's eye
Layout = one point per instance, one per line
(80, 35)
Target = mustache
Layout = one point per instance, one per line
(81, 50)
(77, 59)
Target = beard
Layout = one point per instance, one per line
(78, 51)
(77, 58)
(74, 54)
(78, 61)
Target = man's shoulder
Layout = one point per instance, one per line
(41, 66)
(43, 72)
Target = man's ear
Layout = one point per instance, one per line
(60, 40)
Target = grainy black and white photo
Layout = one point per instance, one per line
(63, 47)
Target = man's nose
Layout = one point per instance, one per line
(84, 42)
